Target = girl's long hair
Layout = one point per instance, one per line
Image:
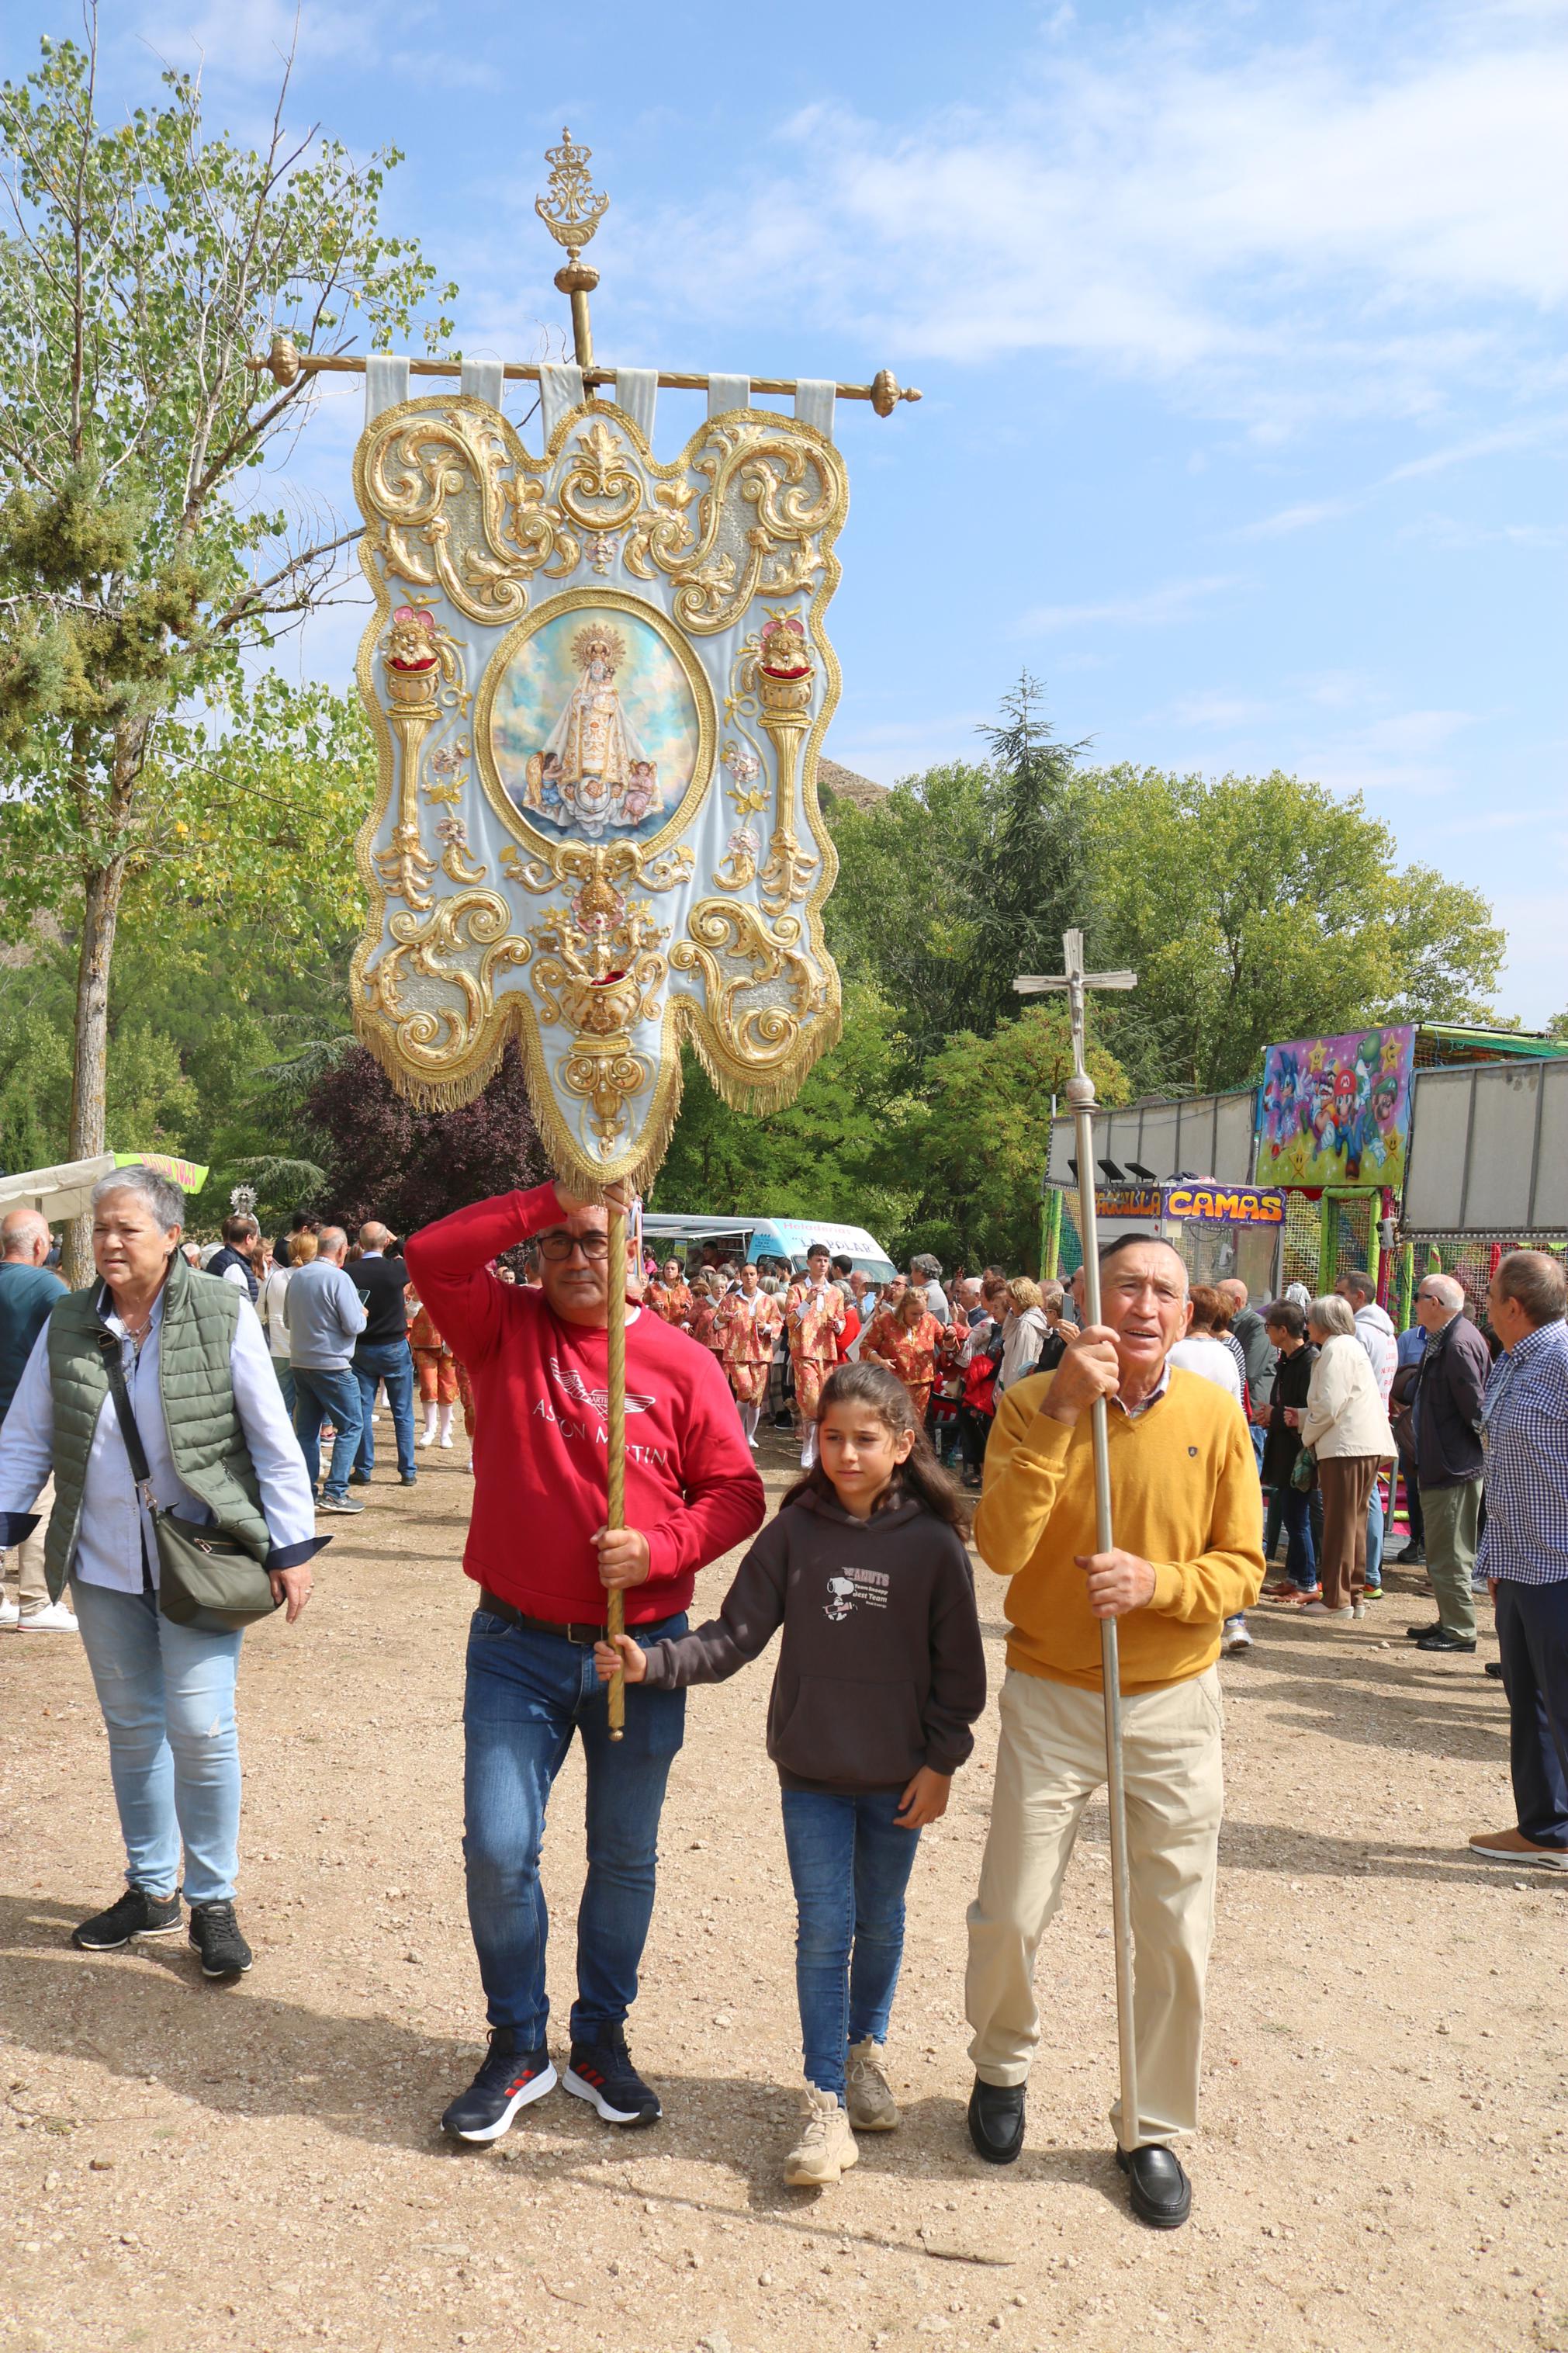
(920, 1479)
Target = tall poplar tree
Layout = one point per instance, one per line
(143, 259)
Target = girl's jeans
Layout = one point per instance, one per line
(850, 1862)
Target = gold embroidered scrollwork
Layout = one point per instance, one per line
(501, 530)
(434, 950)
(736, 954)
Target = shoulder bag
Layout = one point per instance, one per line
(206, 1580)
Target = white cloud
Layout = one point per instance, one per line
(1283, 237)
(1153, 609)
(1223, 712)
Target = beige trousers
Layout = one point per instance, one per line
(32, 1586)
(1050, 1761)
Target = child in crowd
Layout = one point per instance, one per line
(880, 1675)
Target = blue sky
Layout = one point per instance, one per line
(1239, 330)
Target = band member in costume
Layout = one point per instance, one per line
(814, 1319)
(670, 1296)
(749, 1324)
(907, 1339)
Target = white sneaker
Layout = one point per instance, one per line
(426, 1437)
(869, 2098)
(826, 2146)
(448, 1440)
(56, 1619)
(9, 1613)
(1234, 1638)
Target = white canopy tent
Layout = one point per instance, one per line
(64, 1191)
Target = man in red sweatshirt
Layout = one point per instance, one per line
(539, 1551)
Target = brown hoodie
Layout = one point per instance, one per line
(881, 1669)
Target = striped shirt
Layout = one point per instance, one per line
(1524, 1429)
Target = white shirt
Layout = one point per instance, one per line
(269, 1307)
(1202, 1353)
(115, 1531)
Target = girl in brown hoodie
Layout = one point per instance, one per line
(880, 1675)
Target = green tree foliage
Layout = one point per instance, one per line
(145, 260)
(979, 1139)
(230, 981)
(839, 1151)
(1260, 908)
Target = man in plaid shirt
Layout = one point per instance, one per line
(1524, 1551)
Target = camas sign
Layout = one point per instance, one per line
(1229, 1204)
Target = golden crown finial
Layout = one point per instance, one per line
(574, 209)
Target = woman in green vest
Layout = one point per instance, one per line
(218, 1447)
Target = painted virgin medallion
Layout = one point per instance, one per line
(593, 730)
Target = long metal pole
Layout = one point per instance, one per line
(1080, 1095)
(616, 1451)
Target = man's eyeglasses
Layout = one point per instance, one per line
(558, 1248)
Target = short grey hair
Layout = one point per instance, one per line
(1446, 1289)
(929, 1269)
(1334, 1316)
(331, 1238)
(166, 1202)
(1535, 1280)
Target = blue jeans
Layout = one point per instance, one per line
(526, 1695)
(1300, 1553)
(166, 1696)
(389, 1361)
(1374, 1537)
(322, 1396)
(285, 1373)
(850, 1862)
(1532, 1637)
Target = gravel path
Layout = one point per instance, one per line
(1382, 2161)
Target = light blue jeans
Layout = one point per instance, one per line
(850, 1862)
(167, 1693)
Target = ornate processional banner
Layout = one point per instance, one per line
(599, 685)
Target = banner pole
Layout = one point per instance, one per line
(615, 1451)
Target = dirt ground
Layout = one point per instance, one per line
(1383, 2159)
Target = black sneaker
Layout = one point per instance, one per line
(359, 1478)
(1412, 1556)
(409, 1478)
(136, 1914)
(215, 1933)
(508, 2079)
(602, 2074)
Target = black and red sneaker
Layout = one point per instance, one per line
(510, 2079)
(602, 2073)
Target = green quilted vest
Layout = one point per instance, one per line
(205, 1434)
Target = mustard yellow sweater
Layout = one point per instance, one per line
(1184, 1493)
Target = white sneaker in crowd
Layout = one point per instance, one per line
(9, 1613)
(1234, 1638)
(56, 1619)
(826, 2146)
(869, 2095)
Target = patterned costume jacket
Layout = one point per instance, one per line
(909, 1351)
(747, 1331)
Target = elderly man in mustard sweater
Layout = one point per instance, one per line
(1186, 1517)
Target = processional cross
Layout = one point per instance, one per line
(1080, 1095)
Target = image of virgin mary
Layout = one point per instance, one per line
(592, 774)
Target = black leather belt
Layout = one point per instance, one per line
(584, 1636)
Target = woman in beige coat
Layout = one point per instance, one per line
(1346, 1424)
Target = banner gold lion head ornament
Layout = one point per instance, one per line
(599, 685)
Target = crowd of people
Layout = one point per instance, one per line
(174, 1402)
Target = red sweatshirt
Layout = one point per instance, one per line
(541, 1397)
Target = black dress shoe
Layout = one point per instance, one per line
(1415, 1633)
(1494, 1669)
(996, 2121)
(1440, 1639)
(1161, 2193)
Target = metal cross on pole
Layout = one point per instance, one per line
(1080, 1095)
